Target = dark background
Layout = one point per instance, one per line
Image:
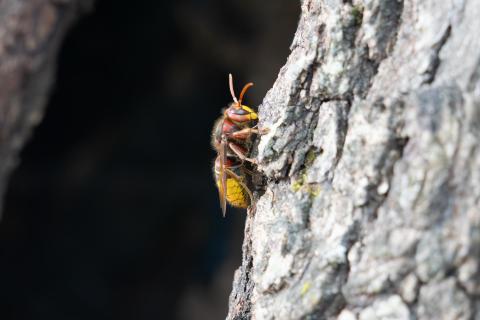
(113, 212)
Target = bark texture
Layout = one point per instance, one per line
(30, 35)
(372, 205)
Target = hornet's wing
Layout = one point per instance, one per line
(222, 177)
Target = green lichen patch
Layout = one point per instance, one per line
(310, 157)
(301, 184)
(305, 288)
(357, 14)
(298, 184)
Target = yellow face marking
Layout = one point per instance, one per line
(253, 115)
(236, 194)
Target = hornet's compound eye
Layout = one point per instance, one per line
(240, 112)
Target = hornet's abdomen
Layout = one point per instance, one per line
(236, 195)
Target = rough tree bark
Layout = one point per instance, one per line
(30, 34)
(372, 206)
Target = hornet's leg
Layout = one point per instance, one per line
(247, 132)
(261, 131)
(240, 153)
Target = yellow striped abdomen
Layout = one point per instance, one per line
(236, 195)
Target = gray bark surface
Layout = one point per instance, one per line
(30, 34)
(372, 205)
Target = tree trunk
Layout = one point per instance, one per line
(372, 205)
(30, 35)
